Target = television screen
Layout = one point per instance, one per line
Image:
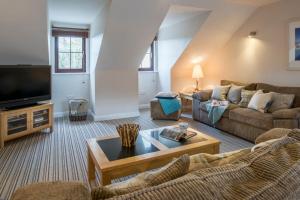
(21, 85)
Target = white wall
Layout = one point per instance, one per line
(130, 29)
(24, 32)
(172, 41)
(148, 87)
(96, 37)
(261, 59)
(225, 19)
(67, 86)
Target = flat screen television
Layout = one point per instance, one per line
(24, 85)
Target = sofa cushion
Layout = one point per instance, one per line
(204, 160)
(285, 90)
(260, 101)
(177, 168)
(246, 96)
(252, 117)
(220, 92)
(293, 113)
(248, 86)
(281, 101)
(234, 94)
(274, 133)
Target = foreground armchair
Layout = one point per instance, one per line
(269, 170)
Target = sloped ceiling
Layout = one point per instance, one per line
(24, 32)
(74, 11)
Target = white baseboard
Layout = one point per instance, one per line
(115, 116)
(60, 114)
(144, 106)
(66, 113)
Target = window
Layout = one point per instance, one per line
(149, 59)
(70, 56)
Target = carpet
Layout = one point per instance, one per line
(62, 154)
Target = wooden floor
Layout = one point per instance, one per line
(62, 155)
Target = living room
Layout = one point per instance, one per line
(160, 99)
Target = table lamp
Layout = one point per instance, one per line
(197, 74)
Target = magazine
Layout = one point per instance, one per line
(219, 103)
(176, 135)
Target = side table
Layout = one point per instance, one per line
(186, 101)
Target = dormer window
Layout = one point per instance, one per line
(148, 62)
(70, 50)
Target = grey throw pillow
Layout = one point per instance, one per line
(281, 101)
(220, 92)
(234, 94)
(246, 96)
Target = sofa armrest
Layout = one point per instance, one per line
(203, 95)
(293, 113)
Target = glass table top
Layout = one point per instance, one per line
(114, 151)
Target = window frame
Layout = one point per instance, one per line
(56, 47)
(153, 57)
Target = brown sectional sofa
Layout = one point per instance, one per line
(247, 123)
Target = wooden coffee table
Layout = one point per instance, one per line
(111, 160)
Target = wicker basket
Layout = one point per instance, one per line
(78, 109)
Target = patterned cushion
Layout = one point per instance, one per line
(220, 92)
(234, 94)
(175, 169)
(246, 96)
(260, 101)
(281, 101)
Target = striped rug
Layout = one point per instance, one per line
(61, 155)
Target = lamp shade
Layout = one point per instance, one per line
(197, 72)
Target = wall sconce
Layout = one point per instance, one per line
(252, 34)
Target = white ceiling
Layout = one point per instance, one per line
(255, 2)
(74, 11)
(178, 13)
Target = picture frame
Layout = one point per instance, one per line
(294, 45)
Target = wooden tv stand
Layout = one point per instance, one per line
(24, 121)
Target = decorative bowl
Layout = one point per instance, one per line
(128, 134)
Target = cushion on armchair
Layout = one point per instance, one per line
(166, 95)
